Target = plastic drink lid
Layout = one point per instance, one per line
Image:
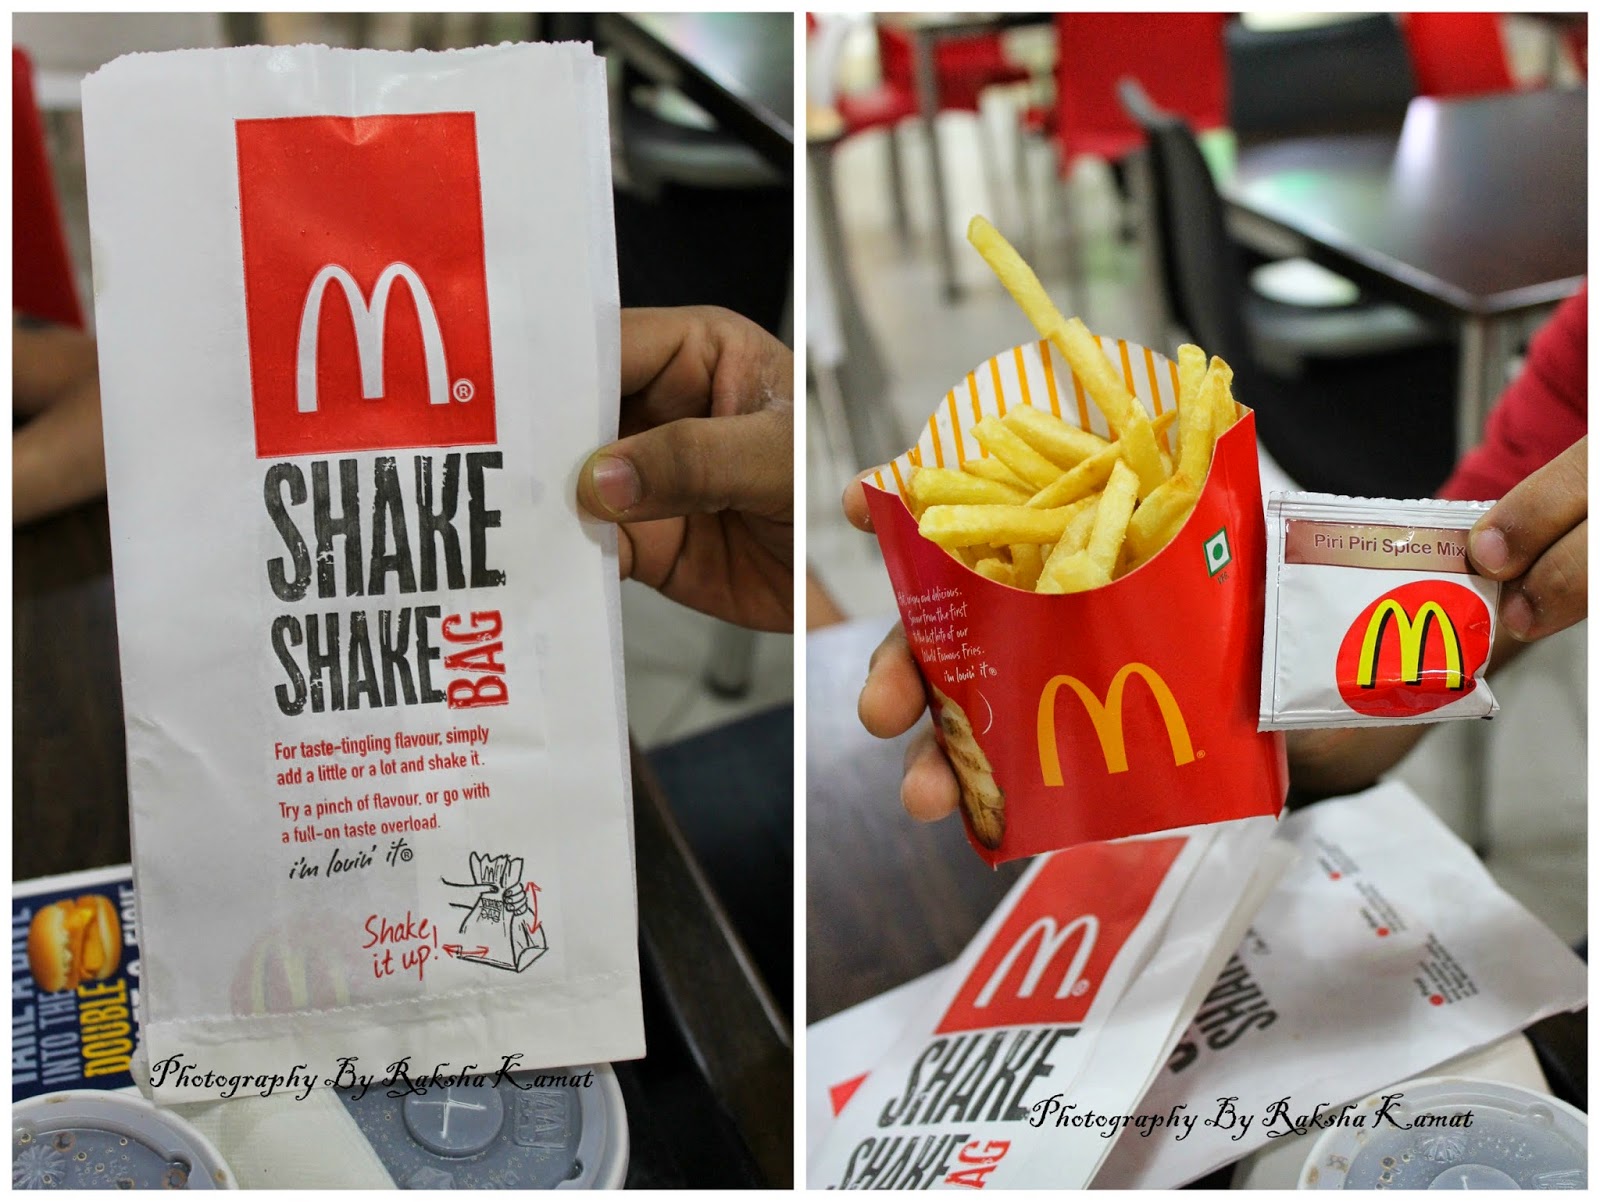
(93, 1139)
(560, 1128)
(1453, 1133)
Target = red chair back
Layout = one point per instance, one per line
(964, 66)
(1177, 57)
(1457, 54)
(41, 268)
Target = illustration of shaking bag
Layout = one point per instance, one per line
(1374, 614)
(1124, 709)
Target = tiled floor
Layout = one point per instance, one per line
(1537, 747)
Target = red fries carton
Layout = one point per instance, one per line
(1124, 710)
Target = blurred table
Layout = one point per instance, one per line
(927, 30)
(739, 67)
(887, 898)
(1476, 212)
(712, 1104)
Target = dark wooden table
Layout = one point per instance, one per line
(739, 67)
(712, 1103)
(1477, 211)
(887, 898)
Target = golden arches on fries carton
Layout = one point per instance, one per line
(1077, 548)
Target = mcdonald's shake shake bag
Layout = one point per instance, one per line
(358, 325)
(1122, 710)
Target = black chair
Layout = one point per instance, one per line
(1347, 76)
(1350, 76)
(1380, 424)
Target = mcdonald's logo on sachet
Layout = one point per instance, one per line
(1124, 709)
(1374, 614)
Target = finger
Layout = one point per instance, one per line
(695, 465)
(625, 554)
(1508, 539)
(1555, 592)
(892, 699)
(929, 790)
(698, 362)
(855, 504)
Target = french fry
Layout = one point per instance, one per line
(1111, 521)
(1073, 540)
(1227, 409)
(1089, 476)
(1016, 276)
(993, 469)
(1140, 453)
(1197, 423)
(943, 486)
(1016, 454)
(992, 567)
(1027, 559)
(997, 525)
(1074, 574)
(1097, 375)
(1191, 371)
(1160, 516)
(1064, 445)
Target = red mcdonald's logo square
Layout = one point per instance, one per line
(366, 296)
(1046, 963)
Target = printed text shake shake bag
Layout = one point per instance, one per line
(358, 325)
(1123, 710)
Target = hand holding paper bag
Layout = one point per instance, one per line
(702, 481)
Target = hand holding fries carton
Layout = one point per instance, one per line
(1092, 661)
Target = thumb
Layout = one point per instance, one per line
(695, 465)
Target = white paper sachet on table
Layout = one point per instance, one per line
(357, 325)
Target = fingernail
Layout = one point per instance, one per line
(615, 483)
(1489, 550)
(1517, 615)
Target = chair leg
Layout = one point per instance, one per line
(731, 662)
(1141, 215)
(897, 186)
(991, 169)
(1067, 220)
(1028, 226)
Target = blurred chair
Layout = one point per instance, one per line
(41, 267)
(1341, 77)
(1176, 56)
(1377, 424)
(1457, 54)
(965, 67)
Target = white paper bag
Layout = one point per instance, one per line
(1387, 950)
(1060, 1010)
(1316, 1007)
(358, 328)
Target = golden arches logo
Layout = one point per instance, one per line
(1107, 720)
(1413, 635)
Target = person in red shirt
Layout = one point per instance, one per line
(1533, 462)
